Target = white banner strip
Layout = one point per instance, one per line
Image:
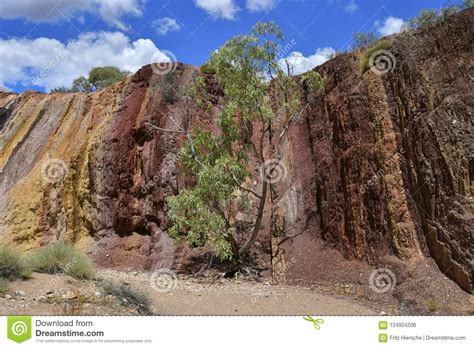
(229, 332)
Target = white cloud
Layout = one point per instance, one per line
(301, 64)
(391, 25)
(163, 26)
(41, 11)
(225, 9)
(111, 11)
(51, 63)
(261, 5)
(351, 7)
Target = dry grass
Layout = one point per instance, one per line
(128, 295)
(432, 305)
(12, 265)
(3, 287)
(63, 258)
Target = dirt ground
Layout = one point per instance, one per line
(61, 295)
(190, 295)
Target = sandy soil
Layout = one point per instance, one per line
(59, 295)
(213, 294)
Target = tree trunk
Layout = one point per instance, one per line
(246, 247)
(235, 248)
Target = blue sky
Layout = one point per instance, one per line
(34, 34)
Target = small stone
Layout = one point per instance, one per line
(98, 294)
(69, 296)
(20, 293)
(382, 313)
(8, 297)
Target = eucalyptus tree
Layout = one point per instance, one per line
(260, 102)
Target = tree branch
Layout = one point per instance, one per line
(245, 189)
(180, 130)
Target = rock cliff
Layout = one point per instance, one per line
(380, 167)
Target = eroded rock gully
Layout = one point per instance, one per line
(379, 168)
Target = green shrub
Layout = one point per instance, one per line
(206, 68)
(363, 40)
(448, 11)
(64, 258)
(427, 18)
(132, 296)
(12, 265)
(365, 59)
(424, 19)
(467, 3)
(3, 287)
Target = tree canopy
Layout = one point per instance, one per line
(98, 78)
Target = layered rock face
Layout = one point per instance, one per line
(384, 161)
(380, 165)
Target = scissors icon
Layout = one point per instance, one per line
(316, 322)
